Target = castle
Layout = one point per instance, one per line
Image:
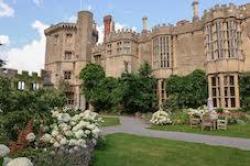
(218, 43)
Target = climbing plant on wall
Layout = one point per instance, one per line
(187, 91)
(245, 91)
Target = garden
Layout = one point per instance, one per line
(37, 129)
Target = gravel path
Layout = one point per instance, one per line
(131, 125)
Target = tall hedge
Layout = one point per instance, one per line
(187, 91)
(245, 91)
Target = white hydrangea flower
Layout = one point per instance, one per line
(79, 134)
(21, 161)
(4, 150)
(161, 118)
(81, 143)
(63, 141)
(56, 145)
(87, 132)
(31, 137)
(72, 142)
(69, 133)
(54, 133)
(65, 117)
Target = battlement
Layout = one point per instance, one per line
(59, 26)
(14, 73)
(123, 34)
(98, 48)
(225, 11)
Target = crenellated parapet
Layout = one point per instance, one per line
(60, 26)
(122, 34)
(226, 11)
(181, 27)
(14, 73)
(98, 49)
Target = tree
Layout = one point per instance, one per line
(137, 91)
(2, 63)
(91, 75)
(245, 91)
(187, 91)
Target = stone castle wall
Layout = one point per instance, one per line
(218, 43)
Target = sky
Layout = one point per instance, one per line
(22, 22)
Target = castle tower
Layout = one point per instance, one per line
(84, 38)
(145, 24)
(109, 26)
(195, 5)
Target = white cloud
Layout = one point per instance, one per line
(72, 19)
(30, 56)
(38, 2)
(4, 39)
(6, 10)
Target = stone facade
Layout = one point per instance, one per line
(22, 81)
(218, 42)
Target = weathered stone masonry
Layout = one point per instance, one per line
(218, 42)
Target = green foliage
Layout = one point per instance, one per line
(18, 107)
(132, 92)
(137, 92)
(245, 91)
(187, 91)
(219, 110)
(2, 63)
(92, 74)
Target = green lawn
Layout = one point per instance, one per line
(110, 121)
(242, 131)
(129, 150)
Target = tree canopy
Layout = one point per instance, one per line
(132, 92)
(187, 91)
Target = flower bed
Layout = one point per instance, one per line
(68, 139)
(161, 118)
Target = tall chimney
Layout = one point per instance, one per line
(195, 5)
(108, 26)
(145, 24)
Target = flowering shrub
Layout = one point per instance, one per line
(4, 150)
(4, 160)
(20, 161)
(199, 112)
(30, 137)
(161, 118)
(72, 132)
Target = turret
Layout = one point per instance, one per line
(145, 24)
(195, 5)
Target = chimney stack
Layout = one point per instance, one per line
(145, 24)
(195, 5)
(108, 26)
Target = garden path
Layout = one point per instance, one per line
(135, 126)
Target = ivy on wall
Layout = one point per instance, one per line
(187, 91)
(245, 91)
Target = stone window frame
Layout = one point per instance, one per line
(67, 75)
(162, 51)
(97, 59)
(68, 55)
(109, 48)
(21, 85)
(224, 90)
(223, 39)
(35, 86)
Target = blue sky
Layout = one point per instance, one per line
(22, 21)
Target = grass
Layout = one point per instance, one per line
(242, 131)
(110, 121)
(129, 150)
